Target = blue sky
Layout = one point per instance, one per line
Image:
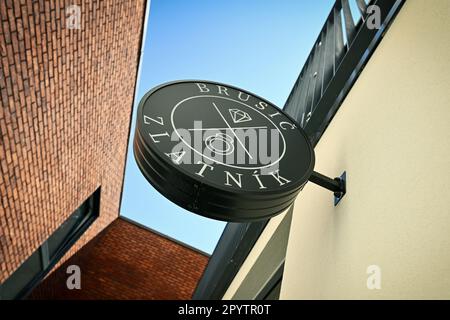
(257, 45)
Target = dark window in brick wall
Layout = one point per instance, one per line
(36, 267)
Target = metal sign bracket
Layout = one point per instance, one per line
(337, 185)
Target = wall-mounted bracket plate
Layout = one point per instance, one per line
(343, 182)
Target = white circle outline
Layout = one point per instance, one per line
(226, 152)
(213, 160)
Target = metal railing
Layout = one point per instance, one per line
(337, 57)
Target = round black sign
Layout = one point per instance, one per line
(220, 151)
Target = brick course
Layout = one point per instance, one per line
(126, 261)
(66, 99)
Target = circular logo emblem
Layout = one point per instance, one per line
(220, 151)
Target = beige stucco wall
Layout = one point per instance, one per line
(392, 136)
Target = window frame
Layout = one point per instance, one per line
(47, 262)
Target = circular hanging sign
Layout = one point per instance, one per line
(220, 151)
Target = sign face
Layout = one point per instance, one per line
(220, 151)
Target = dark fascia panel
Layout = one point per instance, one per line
(233, 247)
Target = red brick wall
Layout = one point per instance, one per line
(66, 97)
(126, 261)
